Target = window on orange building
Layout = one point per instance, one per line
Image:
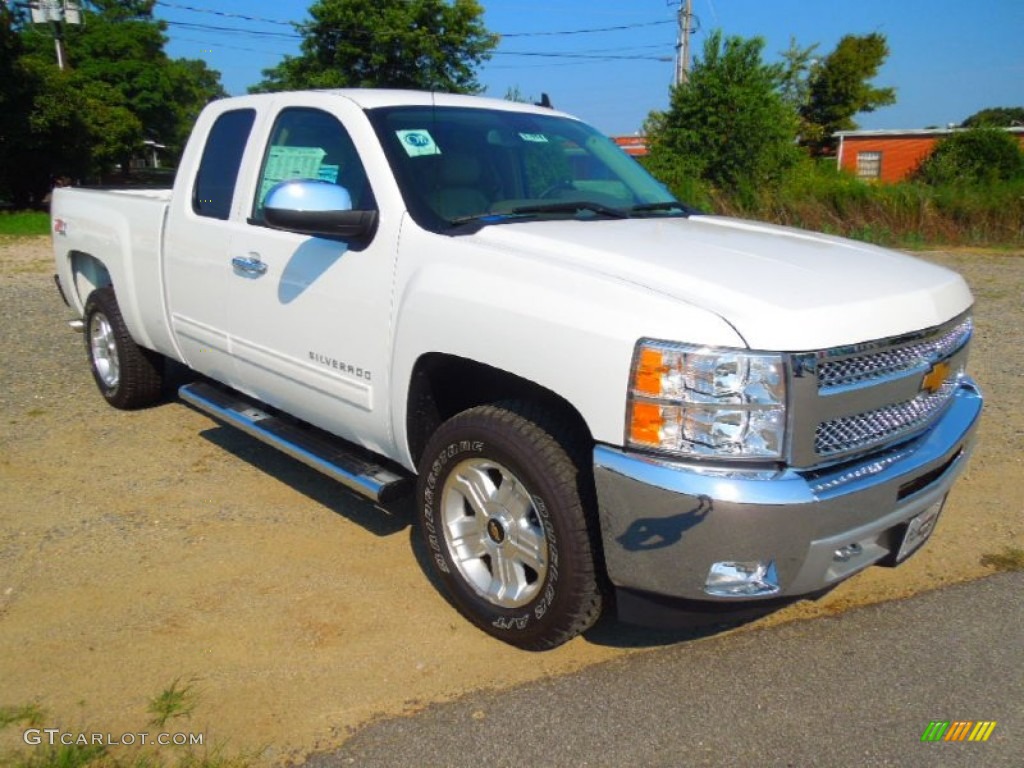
(869, 165)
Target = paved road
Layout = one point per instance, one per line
(854, 690)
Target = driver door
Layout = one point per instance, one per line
(311, 315)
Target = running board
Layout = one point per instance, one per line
(348, 464)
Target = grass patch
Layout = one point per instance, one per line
(175, 701)
(1010, 559)
(30, 714)
(25, 223)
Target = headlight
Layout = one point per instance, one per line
(703, 401)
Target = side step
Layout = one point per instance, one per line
(350, 465)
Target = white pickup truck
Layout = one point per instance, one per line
(602, 394)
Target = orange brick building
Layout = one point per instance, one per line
(892, 155)
(632, 145)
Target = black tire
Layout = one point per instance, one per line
(503, 503)
(127, 375)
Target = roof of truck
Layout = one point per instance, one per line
(372, 98)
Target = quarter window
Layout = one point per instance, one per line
(222, 157)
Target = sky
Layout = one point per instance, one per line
(947, 59)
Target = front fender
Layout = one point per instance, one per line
(568, 330)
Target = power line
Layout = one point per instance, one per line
(233, 30)
(588, 31)
(225, 14)
(636, 57)
(295, 36)
(179, 39)
(598, 54)
(556, 33)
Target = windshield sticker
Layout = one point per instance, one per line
(417, 143)
(537, 138)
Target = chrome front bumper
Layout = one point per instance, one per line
(665, 523)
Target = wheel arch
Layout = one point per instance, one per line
(442, 385)
(87, 273)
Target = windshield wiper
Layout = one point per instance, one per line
(488, 218)
(573, 206)
(668, 205)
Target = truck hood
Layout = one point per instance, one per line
(781, 289)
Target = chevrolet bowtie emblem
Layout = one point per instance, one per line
(935, 378)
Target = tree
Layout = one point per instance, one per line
(839, 88)
(14, 97)
(798, 63)
(122, 45)
(975, 156)
(728, 124)
(996, 117)
(421, 44)
(119, 89)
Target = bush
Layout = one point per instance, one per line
(976, 156)
(815, 195)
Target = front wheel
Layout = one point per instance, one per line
(127, 375)
(502, 507)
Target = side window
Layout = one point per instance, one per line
(222, 157)
(869, 165)
(310, 144)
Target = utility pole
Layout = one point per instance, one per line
(57, 13)
(683, 42)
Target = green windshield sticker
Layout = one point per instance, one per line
(285, 163)
(418, 142)
(537, 138)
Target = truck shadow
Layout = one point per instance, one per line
(395, 516)
(613, 633)
(380, 520)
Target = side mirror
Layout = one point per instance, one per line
(314, 207)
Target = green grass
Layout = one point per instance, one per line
(816, 196)
(30, 714)
(25, 223)
(1010, 559)
(173, 702)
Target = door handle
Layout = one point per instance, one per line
(250, 264)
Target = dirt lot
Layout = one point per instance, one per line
(140, 548)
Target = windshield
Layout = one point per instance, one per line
(462, 168)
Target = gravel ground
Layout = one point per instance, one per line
(139, 548)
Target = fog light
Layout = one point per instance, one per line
(730, 579)
(845, 554)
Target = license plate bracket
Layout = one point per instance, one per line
(919, 529)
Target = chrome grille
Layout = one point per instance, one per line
(871, 428)
(891, 361)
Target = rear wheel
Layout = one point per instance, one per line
(502, 505)
(127, 375)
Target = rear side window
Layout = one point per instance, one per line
(222, 158)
